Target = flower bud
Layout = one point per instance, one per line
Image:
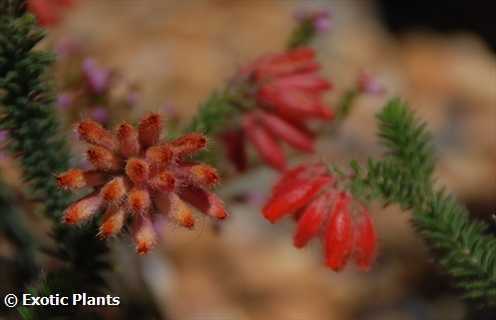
(188, 144)
(128, 140)
(163, 182)
(295, 198)
(102, 159)
(71, 179)
(137, 170)
(265, 144)
(139, 201)
(339, 234)
(365, 242)
(82, 209)
(285, 131)
(114, 190)
(204, 201)
(149, 130)
(312, 220)
(180, 212)
(92, 132)
(113, 221)
(204, 175)
(159, 155)
(143, 234)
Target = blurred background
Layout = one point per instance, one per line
(168, 56)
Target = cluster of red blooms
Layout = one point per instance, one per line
(137, 176)
(288, 92)
(310, 194)
(49, 12)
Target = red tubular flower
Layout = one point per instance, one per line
(234, 141)
(264, 142)
(285, 131)
(365, 242)
(299, 60)
(297, 175)
(312, 219)
(48, 12)
(339, 234)
(138, 176)
(288, 91)
(309, 193)
(294, 198)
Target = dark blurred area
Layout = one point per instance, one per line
(449, 17)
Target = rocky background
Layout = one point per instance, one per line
(179, 51)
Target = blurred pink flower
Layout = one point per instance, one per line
(98, 78)
(66, 47)
(368, 84)
(99, 114)
(133, 98)
(170, 111)
(64, 101)
(4, 135)
(320, 18)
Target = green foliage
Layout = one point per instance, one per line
(404, 177)
(406, 138)
(346, 104)
(302, 34)
(28, 115)
(13, 228)
(213, 115)
(396, 183)
(465, 248)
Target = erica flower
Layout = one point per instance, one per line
(368, 84)
(64, 101)
(309, 193)
(48, 12)
(97, 78)
(287, 91)
(67, 47)
(99, 114)
(139, 178)
(319, 19)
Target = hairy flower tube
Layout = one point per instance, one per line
(287, 91)
(139, 178)
(309, 193)
(49, 12)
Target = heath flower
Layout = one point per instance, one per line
(287, 91)
(138, 177)
(309, 193)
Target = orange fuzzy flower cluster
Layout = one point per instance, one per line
(138, 177)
